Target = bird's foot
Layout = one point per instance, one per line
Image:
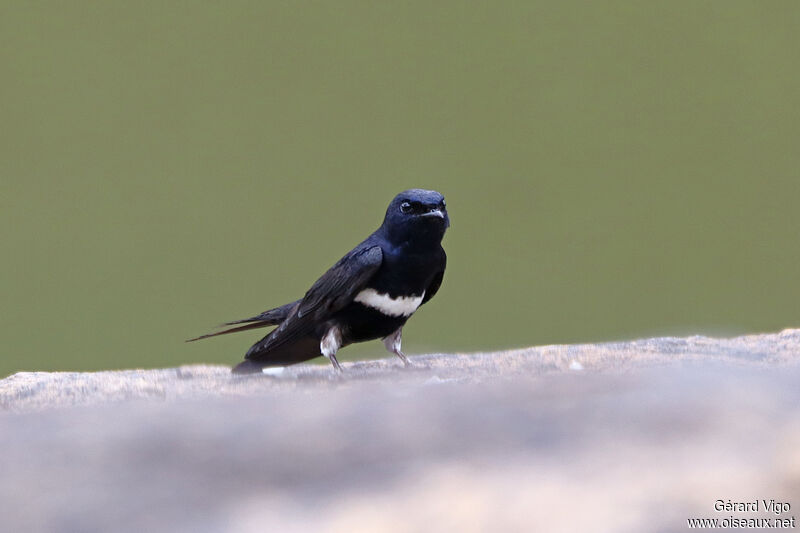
(336, 366)
(406, 362)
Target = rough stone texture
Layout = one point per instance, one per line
(629, 436)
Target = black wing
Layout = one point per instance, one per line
(332, 292)
(433, 288)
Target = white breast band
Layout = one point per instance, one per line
(400, 306)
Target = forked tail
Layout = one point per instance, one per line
(272, 317)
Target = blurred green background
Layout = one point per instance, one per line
(612, 169)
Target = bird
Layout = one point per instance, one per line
(368, 294)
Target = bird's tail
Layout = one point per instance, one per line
(267, 318)
(231, 330)
(247, 367)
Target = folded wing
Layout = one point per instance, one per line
(331, 292)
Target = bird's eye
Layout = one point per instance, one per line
(405, 207)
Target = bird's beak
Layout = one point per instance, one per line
(434, 213)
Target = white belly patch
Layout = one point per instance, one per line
(400, 306)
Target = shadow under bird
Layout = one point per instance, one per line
(368, 294)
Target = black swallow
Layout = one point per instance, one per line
(368, 294)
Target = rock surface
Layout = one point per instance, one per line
(628, 436)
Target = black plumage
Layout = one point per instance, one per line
(368, 294)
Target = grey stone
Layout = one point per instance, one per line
(626, 436)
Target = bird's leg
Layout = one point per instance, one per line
(335, 363)
(330, 344)
(393, 343)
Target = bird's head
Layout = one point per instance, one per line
(416, 216)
